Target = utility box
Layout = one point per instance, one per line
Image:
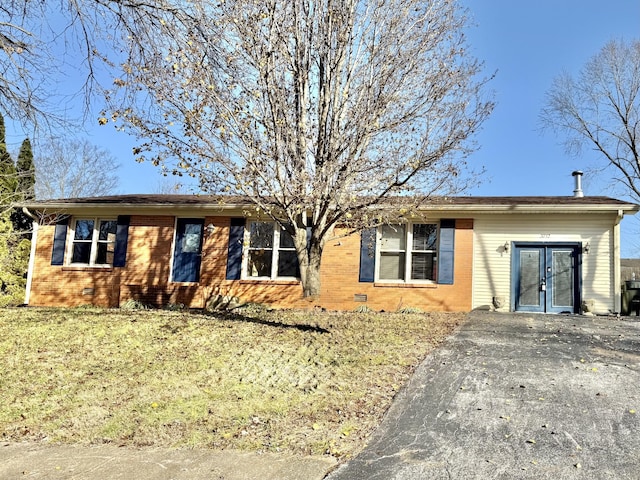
(631, 298)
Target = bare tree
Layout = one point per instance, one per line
(167, 185)
(316, 111)
(600, 108)
(73, 168)
(48, 44)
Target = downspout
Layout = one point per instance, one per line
(32, 254)
(617, 299)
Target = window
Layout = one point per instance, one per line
(408, 252)
(93, 241)
(271, 252)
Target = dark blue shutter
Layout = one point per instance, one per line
(446, 251)
(234, 255)
(367, 255)
(59, 241)
(122, 238)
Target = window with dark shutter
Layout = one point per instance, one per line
(446, 251)
(367, 255)
(122, 239)
(234, 254)
(59, 241)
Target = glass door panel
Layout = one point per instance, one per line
(530, 279)
(562, 280)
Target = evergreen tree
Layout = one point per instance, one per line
(8, 180)
(26, 171)
(14, 246)
(14, 261)
(26, 180)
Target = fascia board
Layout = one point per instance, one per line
(627, 209)
(137, 209)
(248, 210)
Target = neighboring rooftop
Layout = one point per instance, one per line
(630, 269)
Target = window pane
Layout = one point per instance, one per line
(81, 252)
(425, 236)
(105, 254)
(562, 268)
(261, 235)
(530, 279)
(422, 266)
(108, 230)
(392, 266)
(286, 240)
(288, 264)
(84, 230)
(393, 237)
(259, 263)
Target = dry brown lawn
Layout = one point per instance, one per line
(291, 381)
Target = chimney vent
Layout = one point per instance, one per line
(577, 193)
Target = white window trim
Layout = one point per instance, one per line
(408, 254)
(94, 242)
(275, 253)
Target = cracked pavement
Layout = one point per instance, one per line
(516, 396)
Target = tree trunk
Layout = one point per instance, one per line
(311, 281)
(309, 258)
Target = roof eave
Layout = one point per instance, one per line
(243, 207)
(625, 208)
(129, 207)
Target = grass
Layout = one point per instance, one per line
(291, 381)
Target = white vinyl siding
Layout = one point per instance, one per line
(492, 266)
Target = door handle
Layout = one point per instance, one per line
(543, 285)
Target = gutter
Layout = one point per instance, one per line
(212, 207)
(137, 207)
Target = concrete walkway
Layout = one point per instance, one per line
(514, 396)
(71, 462)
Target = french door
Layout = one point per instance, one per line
(547, 278)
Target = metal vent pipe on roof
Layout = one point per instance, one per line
(578, 190)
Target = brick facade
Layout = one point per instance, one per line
(146, 275)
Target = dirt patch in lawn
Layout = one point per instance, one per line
(291, 381)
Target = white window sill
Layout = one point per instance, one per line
(391, 284)
(270, 281)
(83, 268)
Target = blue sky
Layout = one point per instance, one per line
(527, 43)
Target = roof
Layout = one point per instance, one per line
(633, 263)
(168, 199)
(234, 205)
(629, 269)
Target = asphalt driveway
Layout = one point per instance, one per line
(515, 396)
